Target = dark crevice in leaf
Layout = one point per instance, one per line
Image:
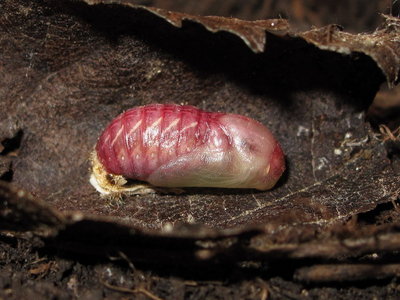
(393, 149)
(11, 145)
(384, 213)
(258, 73)
(8, 175)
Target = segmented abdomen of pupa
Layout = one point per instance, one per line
(180, 145)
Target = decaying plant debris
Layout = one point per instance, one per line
(68, 67)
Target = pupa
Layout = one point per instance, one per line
(175, 146)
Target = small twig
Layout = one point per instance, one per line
(346, 272)
(42, 270)
(387, 135)
(37, 261)
(190, 283)
(395, 205)
(264, 293)
(198, 283)
(331, 29)
(125, 257)
(130, 291)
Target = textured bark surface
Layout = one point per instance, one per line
(68, 68)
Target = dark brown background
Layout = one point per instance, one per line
(68, 68)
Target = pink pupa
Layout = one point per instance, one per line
(176, 146)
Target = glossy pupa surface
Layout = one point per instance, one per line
(173, 146)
